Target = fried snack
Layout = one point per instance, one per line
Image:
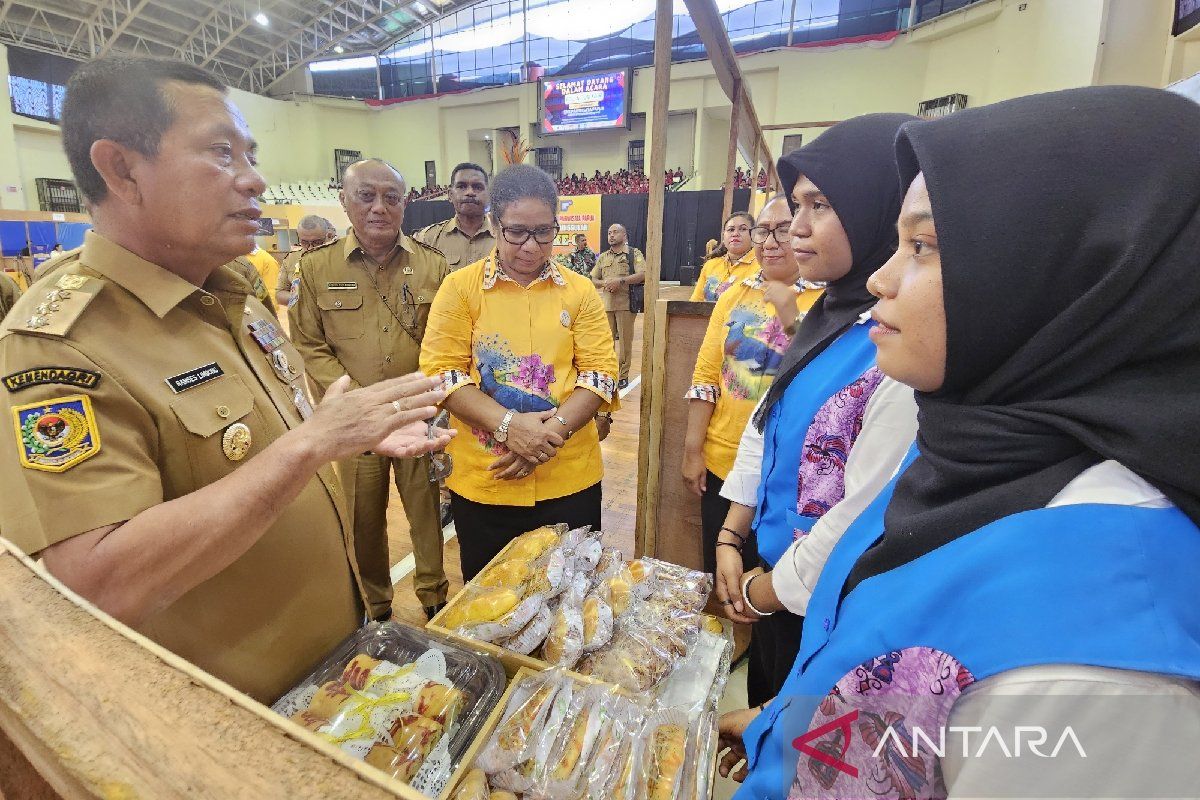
(713, 625)
(440, 703)
(487, 606)
(514, 732)
(329, 699)
(665, 751)
(473, 787)
(530, 545)
(512, 573)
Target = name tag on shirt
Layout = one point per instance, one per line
(341, 287)
(195, 377)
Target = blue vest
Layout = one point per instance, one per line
(1133, 607)
(839, 364)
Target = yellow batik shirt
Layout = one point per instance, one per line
(737, 362)
(719, 273)
(528, 348)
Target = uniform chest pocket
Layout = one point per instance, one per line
(341, 315)
(206, 413)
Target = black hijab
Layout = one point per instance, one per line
(853, 163)
(1069, 231)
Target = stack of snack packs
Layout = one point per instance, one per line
(399, 713)
(564, 740)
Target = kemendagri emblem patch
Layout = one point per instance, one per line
(55, 435)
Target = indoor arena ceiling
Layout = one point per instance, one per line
(228, 37)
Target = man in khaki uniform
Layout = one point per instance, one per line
(360, 311)
(9, 292)
(466, 237)
(313, 232)
(613, 275)
(155, 452)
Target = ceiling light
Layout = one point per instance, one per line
(339, 49)
(261, 19)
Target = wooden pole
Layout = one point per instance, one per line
(731, 156)
(657, 134)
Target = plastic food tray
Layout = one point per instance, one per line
(478, 676)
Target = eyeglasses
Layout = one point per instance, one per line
(519, 236)
(760, 233)
(367, 197)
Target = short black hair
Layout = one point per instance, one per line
(584, 235)
(467, 165)
(521, 182)
(120, 98)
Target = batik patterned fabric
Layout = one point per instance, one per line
(860, 742)
(737, 362)
(528, 348)
(821, 482)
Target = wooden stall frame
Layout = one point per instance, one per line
(70, 766)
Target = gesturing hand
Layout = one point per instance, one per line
(385, 417)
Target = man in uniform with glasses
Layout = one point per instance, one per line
(360, 310)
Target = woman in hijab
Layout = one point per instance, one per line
(1033, 566)
(845, 194)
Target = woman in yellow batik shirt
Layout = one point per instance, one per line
(748, 332)
(735, 263)
(527, 358)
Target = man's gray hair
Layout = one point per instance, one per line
(313, 222)
(522, 182)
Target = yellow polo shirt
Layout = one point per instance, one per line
(719, 273)
(737, 362)
(268, 270)
(527, 347)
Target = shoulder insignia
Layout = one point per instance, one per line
(38, 376)
(54, 312)
(55, 435)
(323, 245)
(428, 246)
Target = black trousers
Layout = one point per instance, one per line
(774, 645)
(713, 509)
(483, 530)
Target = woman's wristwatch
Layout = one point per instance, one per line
(501, 433)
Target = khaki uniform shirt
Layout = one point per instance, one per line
(288, 270)
(459, 248)
(124, 387)
(9, 292)
(351, 314)
(611, 265)
(254, 282)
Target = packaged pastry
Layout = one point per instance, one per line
(502, 795)
(612, 749)
(629, 661)
(474, 786)
(526, 711)
(713, 625)
(586, 549)
(610, 558)
(530, 545)
(587, 720)
(625, 782)
(481, 606)
(440, 703)
(511, 573)
(534, 633)
(550, 573)
(564, 641)
(403, 700)
(664, 752)
(618, 585)
(597, 622)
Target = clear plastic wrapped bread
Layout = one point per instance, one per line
(564, 776)
(402, 700)
(490, 614)
(534, 633)
(664, 755)
(474, 786)
(597, 621)
(514, 736)
(564, 641)
(530, 545)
